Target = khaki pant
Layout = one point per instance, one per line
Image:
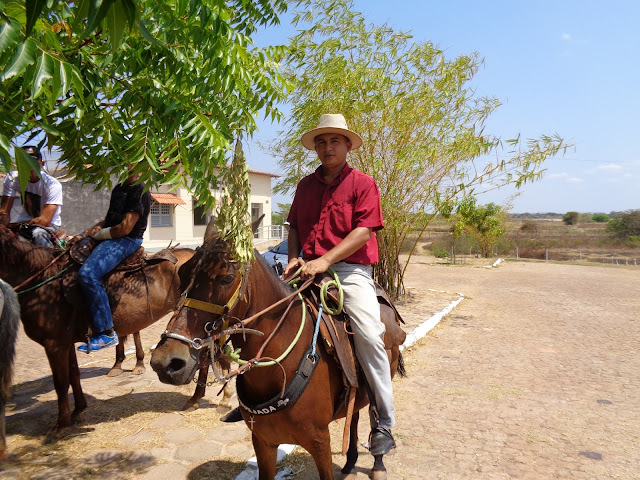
(361, 303)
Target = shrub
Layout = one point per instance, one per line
(571, 218)
(440, 252)
(633, 241)
(529, 227)
(626, 224)
(601, 218)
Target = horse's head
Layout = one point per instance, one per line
(20, 259)
(212, 285)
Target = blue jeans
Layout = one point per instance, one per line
(104, 258)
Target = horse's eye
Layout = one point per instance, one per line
(228, 279)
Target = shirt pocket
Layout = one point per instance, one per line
(341, 217)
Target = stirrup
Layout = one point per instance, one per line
(381, 441)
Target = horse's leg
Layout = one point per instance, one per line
(319, 447)
(267, 456)
(139, 368)
(59, 363)
(79, 401)
(3, 442)
(227, 391)
(117, 367)
(352, 452)
(379, 472)
(201, 386)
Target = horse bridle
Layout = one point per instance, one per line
(209, 307)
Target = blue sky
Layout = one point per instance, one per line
(565, 67)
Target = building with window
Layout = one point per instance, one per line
(175, 216)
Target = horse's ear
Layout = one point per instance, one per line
(256, 224)
(212, 231)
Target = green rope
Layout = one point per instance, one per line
(234, 355)
(324, 289)
(45, 281)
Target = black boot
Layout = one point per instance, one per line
(381, 441)
(233, 416)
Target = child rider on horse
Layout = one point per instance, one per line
(334, 215)
(120, 236)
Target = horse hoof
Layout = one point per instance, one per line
(378, 475)
(190, 407)
(138, 371)
(114, 372)
(53, 436)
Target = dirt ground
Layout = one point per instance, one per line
(532, 376)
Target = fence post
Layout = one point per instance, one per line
(517, 254)
(546, 254)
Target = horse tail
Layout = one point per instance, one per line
(9, 318)
(402, 371)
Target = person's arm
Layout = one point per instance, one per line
(121, 230)
(353, 242)
(46, 216)
(5, 210)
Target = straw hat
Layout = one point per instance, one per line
(331, 123)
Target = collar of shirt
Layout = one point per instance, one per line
(345, 171)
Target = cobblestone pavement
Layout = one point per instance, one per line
(533, 376)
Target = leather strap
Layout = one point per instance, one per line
(292, 392)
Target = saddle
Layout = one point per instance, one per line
(82, 249)
(133, 263)
(336, 332)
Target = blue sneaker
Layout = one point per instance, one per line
(99, 341)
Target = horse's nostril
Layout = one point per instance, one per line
(175, 365)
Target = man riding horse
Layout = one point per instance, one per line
(41, 201)
(120, 236)
(334, 215)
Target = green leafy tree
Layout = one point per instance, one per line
(279, 216)
(422, 124)
(169, 86)
(571, 218)
(601, 218)
(625, 225)
(484, 223)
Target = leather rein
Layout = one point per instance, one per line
(218, 342)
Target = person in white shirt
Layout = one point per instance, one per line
(41, 202)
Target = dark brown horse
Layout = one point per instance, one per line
(138, 299)
(238, 291)
(9, 322)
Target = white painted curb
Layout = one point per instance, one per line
(425, 327)
(251, 470)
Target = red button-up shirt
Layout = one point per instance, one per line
(325, 213)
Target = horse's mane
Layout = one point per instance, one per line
(23, 254)
(217, 250)
(282, 287)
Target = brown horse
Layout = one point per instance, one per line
(138, 299)
(238, 291)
